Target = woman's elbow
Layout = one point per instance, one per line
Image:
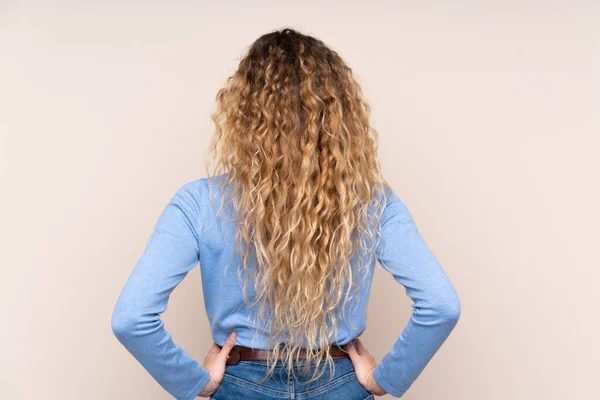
(122, 324)
(450, 309)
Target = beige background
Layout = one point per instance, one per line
(489, 122)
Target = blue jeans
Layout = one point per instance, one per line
(243, 381)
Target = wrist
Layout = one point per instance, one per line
(210, 387)
(375, 388)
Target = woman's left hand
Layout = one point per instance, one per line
(215, 362)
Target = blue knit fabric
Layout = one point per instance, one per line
(187, 233)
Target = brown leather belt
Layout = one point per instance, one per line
(242, 353)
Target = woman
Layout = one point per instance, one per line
(301, 214)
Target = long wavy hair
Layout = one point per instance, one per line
(293, 135)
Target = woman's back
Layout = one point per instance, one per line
(222, 290)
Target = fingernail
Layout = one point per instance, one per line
(232, 335)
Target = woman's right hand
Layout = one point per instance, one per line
(364, 365)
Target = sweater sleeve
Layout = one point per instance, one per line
(170, 253)
(435, 304)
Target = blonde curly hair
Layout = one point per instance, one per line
(293, 133)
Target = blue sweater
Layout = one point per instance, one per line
(187, 232)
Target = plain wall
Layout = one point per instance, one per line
(488, 115)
